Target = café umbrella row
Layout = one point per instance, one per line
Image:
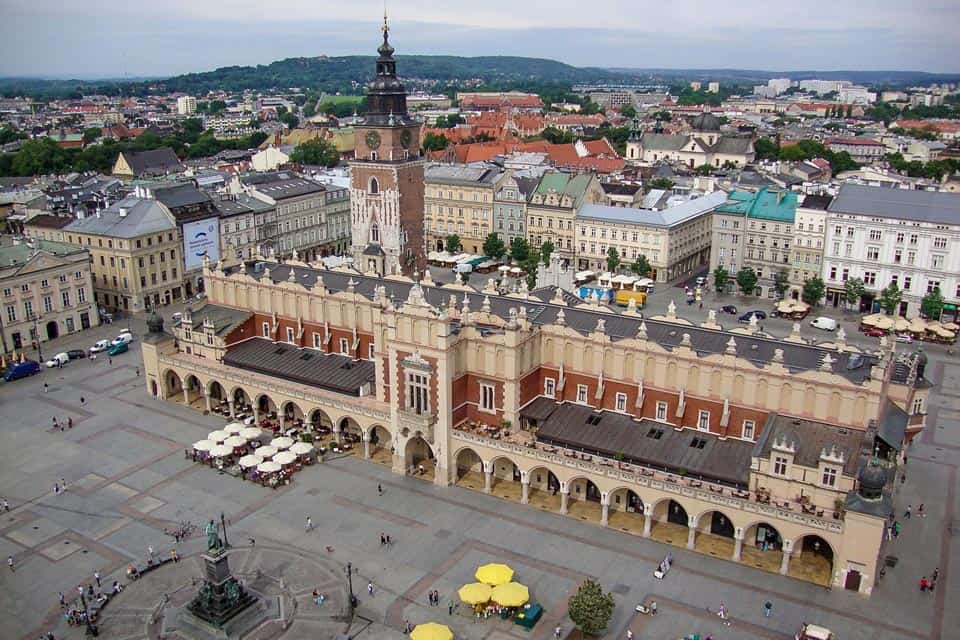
(239, 449)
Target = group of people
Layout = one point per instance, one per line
(62, 426)
(434, 598)
(385, 540)
(318, 596)
(930, 584)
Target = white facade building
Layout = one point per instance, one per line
(884, 235)
(186, 105)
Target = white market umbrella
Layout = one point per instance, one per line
(267, 452)
(285, 457)
(301, 448)
(221, 451)
(251, 433)
(282, 443)
(268, 467)
(235, 441)
(234, 427)
(217, 436)
(203, 445)
(249, 461)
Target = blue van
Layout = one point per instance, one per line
(21, 370)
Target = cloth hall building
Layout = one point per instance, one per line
(780, 454)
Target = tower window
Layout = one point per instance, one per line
(375, 233)
(374, 185)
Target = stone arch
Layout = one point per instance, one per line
(505, 470)
(216, 391)
(693, 377)
(584, 489)
(292, 414)
(543, 479)
(266, 407)
(761, 532)
(349, 428)
(381, 444)
(835, 403)
(670, 522)
(468, 468)
(626, 510)
(568, 354)
(716, 383)
(628, 367)
(418, 453)
(671, 379)
(172, 384)
(319, 420)
(738, 386)
(715, 522)
(761, 394)
(810, 398)
(813, 559)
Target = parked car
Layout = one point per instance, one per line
(117, 349)
(729, 308)
(21, 370)
(101, 345)
(905, 337)
(77, 354)
(873, 332)
(58, 360)
(827, 324)
(702, 280)
(125, 338)
(759, 314)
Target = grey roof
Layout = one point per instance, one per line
(893, 425)
(180, 195)
(904, 204)
(668, 217)
(144, 216)
(373, 250)
(817, 202)
(18, 254)
(463, 175)
(758, 350)
(810, 438)
(306, 366)
(156, 162)
(644, 441)
(668, 142)
(664, 141)
(283, 184)
(224, 319)
(732, 145)
(619, 188)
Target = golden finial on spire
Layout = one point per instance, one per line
(386, 27)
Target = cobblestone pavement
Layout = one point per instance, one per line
(128, 480)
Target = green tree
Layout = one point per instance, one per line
(766, 149)
(9, 134)
(932, 304)
(316, 152)
(704, 170)
(747, 280)
(434, 142)
(519, 250)
(453, 243)
(530, 267)
(813, 290)
(613, 259)
(627, 111)
(781, 283)
(289, 119)
(660, 183)
(590, 609)
(641, 266)
(556, 136)
(720, 279)
(663, 116)
(546, 250)
(90, 134)
(493, 246)
(890, 298)
(853, 290)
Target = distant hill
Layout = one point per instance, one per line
(875, 78)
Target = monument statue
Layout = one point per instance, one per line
(213, 537)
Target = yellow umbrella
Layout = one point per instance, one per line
(475, 593)
(511, 594)
(494, 574)
(23, 358)
(431, 631)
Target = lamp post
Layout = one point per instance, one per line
(353, 598)
(36, 335)
(223, 524)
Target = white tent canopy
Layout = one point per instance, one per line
(234, 427)
(282, 443)
(268, 467)
(217, 436)
(249, 461)
(285, 457)
(301, 448)
(251, 433)
(221, 451)
(266, 452)
(203, 445)
(235, 441)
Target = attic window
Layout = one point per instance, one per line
(280, 352)
(754, 347)
(655, 433)
(698, 443)
(594, 419)
(306, 356)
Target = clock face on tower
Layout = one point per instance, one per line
(373, 140)
(405, 138)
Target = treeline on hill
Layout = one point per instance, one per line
(43, 156)
(326, 74)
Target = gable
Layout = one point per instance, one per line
(41, 262)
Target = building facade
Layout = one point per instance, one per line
(807, 253)
(300, 206)
(386, 192)
(718, 434)
(47, 292)
(883, 235)
(186, 105)
(705, 145)
(459, 200)
(675, 240)
(755, 230)
(553, 207)
(510, 207)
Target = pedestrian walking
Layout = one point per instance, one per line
(379, 489)
(370, 588)
(907, 513)
(96, 576)
(309, 525)
(63, 483)
(150, 552)
(56, 489)
(767, 609)
(383, 539)
(936, 574)
(55, 424)
(69, 423)
(10, 563)
(920, 511)
(924, 584)
(138, 372)
(253, 542)
(389, 541)
(174, 555)
(6, 505)
(653, 608)
(557, 632)
(63, 601)
(629, 634)
(46, 387)
(450, 608)
(83, 400)
(111, 361)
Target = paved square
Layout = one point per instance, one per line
(129, 480)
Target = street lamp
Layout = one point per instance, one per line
(36, 335)
(353, 598)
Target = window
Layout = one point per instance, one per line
(621, 402)
(749, 426)
(939, 243)
(703, 420)
(936, 261)
(11, 313)
(549, 387)
(829, 477)
(25, 287)
(873, 253)
(874, 234)
(316, 340)
(266, 329)
(417, 393)
(870, 277)
(662, 411)
(7, 291)
(918, 406)
(372, 351)
(932, 285)
(290, 337)
(780, 466)
(66, 298)
(44, 283)
(28, 308)
(487, 397)
(47, 304)
(344, 346)
(907, 281)
(581, 393)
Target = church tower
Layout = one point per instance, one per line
(386, 190)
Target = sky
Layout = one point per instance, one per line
(137, 38)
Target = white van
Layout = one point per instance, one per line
(124, 338)
(58, 360)
(827, 324)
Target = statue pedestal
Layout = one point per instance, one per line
(222, 608)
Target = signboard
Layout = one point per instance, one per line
(201, 238)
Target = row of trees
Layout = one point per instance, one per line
(767, 149)
(746, 279)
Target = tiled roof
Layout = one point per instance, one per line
(143, 216)
(12, 255)
(156, 162)
(666, 218)
(779, 206)
(903, 204)
(810, 438)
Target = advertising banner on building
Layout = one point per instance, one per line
(201, 238)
